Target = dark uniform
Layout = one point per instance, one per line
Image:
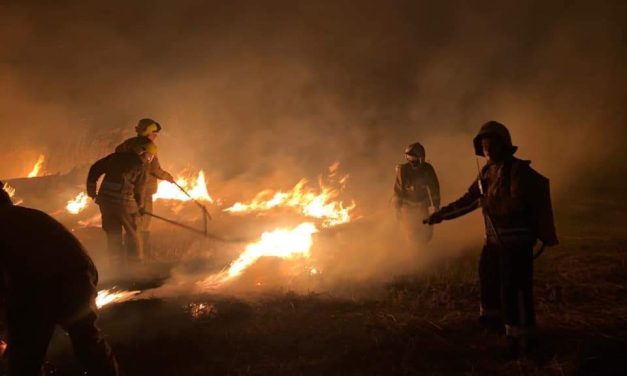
(416, 188)
(516, 206)
(153, 174)
(120, 198)
(47, 280)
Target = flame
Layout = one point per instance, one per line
(282, 243)
(197, 189)
(8, 189)
(94, 221)
(319, 205)
(37, 167)
(78, 204)
(110, 296)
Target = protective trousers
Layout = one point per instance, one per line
(506, 279)
(32, 316)
(119, 220)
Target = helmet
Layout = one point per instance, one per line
(147, 126)
(416, 150)
(493, 128)
(145, 146)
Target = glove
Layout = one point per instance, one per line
(433, 218)
(141, 210)
(170, 178)
(92, 195)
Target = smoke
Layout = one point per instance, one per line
(260, 95)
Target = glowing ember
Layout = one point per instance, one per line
(8, 189)
(78, 204)
(37, 167)
(196, 188)
(202, 310)
(110, 296)
(320, 205)
(282, 243)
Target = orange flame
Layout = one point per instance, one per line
(37, 167)
(197, 188)
(8, 189)
(282, 243)
(320, 205)
(78, 204)
(111, 296)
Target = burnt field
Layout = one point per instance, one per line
(411, 325)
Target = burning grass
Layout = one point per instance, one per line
(412, 325)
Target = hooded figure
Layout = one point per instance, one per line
(47, 280)
(416, 188)
(516, 206)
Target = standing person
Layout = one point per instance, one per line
(120, 198)
(147, 129)
(47, 279)
(517, 211)
(416, 188)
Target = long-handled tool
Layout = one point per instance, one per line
(205, 213)
(201, 232)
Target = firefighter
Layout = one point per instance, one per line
(415, 190)
(47, 279)
(516, 206)
(147, 129)
(120, 198)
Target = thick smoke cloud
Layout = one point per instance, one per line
(261, 94)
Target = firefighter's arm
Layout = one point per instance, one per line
(158, 172)
(95, 172)
(434, 187)
(464, 205)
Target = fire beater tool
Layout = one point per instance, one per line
(204, 232)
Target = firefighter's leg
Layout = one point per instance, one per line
(516, 294)
(490, 314)
(29, 331)
(131, 222)
(145, 227)
(112, 225)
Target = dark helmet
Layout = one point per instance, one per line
(415, 149)
(493, 128)
(146, 126)
(5, 199)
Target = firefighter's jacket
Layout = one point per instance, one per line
(515, 200)
(154, 169)
(417, 185)
(123, 183)
(36, 252)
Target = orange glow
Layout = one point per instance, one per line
(196, 187)
(283, 243)
(110, 296)
(78, 204)
(37, 167)
(320, 204)
(8, 189)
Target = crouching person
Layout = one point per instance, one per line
(47, 280)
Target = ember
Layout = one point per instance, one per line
(8, 189)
